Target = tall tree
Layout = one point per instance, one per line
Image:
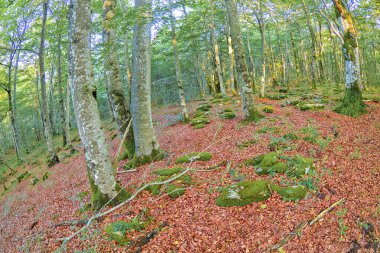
(115, 89)
(181, 91)
(352, 103)
(99, 168)
(53, 158)
(249, 108)
(147, 148)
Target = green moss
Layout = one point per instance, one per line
(23, 176)
(98, 199)
(227, 115)
(204, 107)
(216, 100)
(254, 116)
(268, 129)
(228, 110)
(352, 104)
(244, 193)
(300, 166)
(196, 156)
(199, 120)
(277, 97)
(199, 126)
(136, 161)
(175, 191)
(117, 230)
(46, 176)
(52, 160)
(268, 109)
(129, 147)
(290, 192)
(313, 107)
(290, 136)
(168, 172)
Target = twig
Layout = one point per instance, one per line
(212, 168)
(301, 226)
(126, 171)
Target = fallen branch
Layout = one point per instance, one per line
(213, 168)
(126, 171)
(143, 240)
(301, 226)
(122, 142)
(134, 195)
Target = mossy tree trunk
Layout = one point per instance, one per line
(178, 72)
(352, 103)
(249, 108)
(264, 49)
(146, 144)
(231, 62)
(99, 167)
(53, 158)
(115, 89)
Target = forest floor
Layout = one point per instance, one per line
(345, 152)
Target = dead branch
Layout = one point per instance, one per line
(134, 195)
(122, 142)
(213, 168)
(301, 226)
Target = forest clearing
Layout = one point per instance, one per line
(190, 126)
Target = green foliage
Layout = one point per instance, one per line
(268, 130)
(23, 176)
(244, 193)
(202, 120)
(313, 107)
(195, 156)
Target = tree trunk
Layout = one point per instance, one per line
(250, 111)
(181, 92)
(352, 103)
(65, 130)
(53, 158)
(216, 52)
(232, 62)
(264, 50)
(99, 168)
(12, 104)
(147, 146)
(114, 85)
(51, 100)
(314, 58)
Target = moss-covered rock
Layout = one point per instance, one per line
(199, 126)
(268, 109)
(277, 96)
(244, 193)
(195, 156)
(199, 120)
(313, 107)
(290, 192)
(204, 107)
(227, 115)
(168, 172)
(300, 166)
(117, 230)
(175, 191)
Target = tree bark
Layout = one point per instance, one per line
(65, 130)
(314, 58)
(147, 146)
(216, 52)
(53, 158)
(249, 108)
(264, 49)
(352, 103)
(99, 168)
(181, 92)
(115, 89)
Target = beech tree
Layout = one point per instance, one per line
(246, 92)
(99, 168)
(147, 148)
(352, 103)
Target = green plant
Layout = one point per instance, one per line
(356, 155)
(195, 156)
(343, 228)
